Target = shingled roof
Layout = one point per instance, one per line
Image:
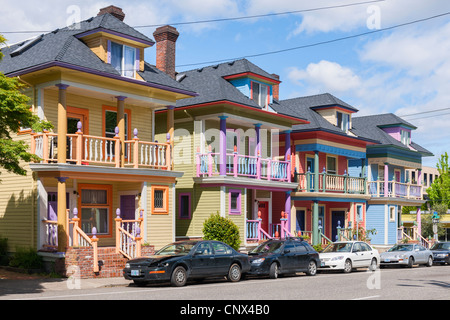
(63, 47)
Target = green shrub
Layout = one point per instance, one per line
(4, 252)
(221, 229)
(26, 258)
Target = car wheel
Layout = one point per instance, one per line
(179, 277)
(430, 261)
(273, 271)
(312, 268)
(234, 273)
(373, 265)
(410, 262)
(348, 266)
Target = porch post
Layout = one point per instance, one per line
(170, 129)
(223, 145)
(316, 171)
(315, 222)
(287, 209)
(62, 214)
(121, 126)
(258, 139)
(419, 220)
(386, 178)
(62, 122)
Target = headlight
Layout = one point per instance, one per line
(337, 258)
(163, 265)
(127, 265)
(258, 261)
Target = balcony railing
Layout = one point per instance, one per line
(332, 183)
(86, 149)
(395, 189)
(238, 165)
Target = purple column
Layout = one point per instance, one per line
(223, 146)
(287, 144)
(386, 180)
(287, 209)
(258, 139)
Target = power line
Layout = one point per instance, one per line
(320, 42)
(423, 112)
(225, 19)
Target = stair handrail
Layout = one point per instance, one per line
(129, 244)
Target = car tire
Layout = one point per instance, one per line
(410, 262)
(273, 270)
(312, 268)
(373, 265)
(179, 277)
(430, 261)
(347, 266)
(234, 273)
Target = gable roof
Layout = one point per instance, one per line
(63, 47)
(371, 128)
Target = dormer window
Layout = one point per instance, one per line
(260, 94)
(343, 121)
(123, 59)
(405, 137)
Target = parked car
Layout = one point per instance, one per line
(275, 257)
(347, 255)
(441, 252)
(407, 255)
(183, 260)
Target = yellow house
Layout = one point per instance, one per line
(101, 162)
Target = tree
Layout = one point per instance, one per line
(439, 191)
(15, 113)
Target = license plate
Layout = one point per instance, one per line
(322, 264)
(387, 260)
(135, 273)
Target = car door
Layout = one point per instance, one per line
(368, 254)
(287, 258)
(302, 257)
(222, 258)
(357, 255)
(202, 262)
(422, 254)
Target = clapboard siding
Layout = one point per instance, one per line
(376, 220)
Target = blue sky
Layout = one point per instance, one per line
(404, 70)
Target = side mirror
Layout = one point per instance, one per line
(287, 251)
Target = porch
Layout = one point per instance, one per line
(333, 183)
(395, 189)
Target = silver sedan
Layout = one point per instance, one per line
(407, 255)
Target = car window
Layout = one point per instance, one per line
(220, 248)
(338, 247)
(203, 249)
(421, 248)
(356, 247)
(290, 247)
(268, 246)
(300, 247)
(365, 247)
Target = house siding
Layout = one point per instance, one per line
(375, 219)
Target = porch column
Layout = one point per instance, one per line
(315, 223)
(386, 179)
(170, 128)
(62, 122)
(223, 145)
(62, 215)
(287, 209)
(419, 212)
(316, 171)
(121, 126)
(258, 139)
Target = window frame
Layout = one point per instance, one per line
(335, 165)
(264, 105)
(238, 210)
(122, 64)
(344, 124)
(165, 209)
(180, 216)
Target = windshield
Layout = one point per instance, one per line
(176, 249)
(268, 247)
(442, 245)
(401, 247)
(338, 247)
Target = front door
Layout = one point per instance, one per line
(52, 207)
(337, 216)
(263, 207)
(300, 220)
(127, 210)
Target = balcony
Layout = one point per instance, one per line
(238, 165)
(94, 150)
(330, 183)
(377, 189)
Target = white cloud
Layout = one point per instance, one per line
(325, 76)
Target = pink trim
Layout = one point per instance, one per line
(238, 210)
(179, 206)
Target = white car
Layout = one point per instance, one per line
(347, 255)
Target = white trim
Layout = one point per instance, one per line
(144, 199)
(222, 201)
(386, 223)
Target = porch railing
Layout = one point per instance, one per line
(128, 235)
(238, 165)
(330, 183)
(87, 149)
(412, 234)
(255, 232)
(395, 189)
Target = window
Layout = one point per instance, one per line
(331, 165)
(96, 208)
(123, 59)
(221, 249)
(405, 137)
(343, 121)
(160, 200)
(235, 202)
(110, 124)
(184, 206)
(391, 214)
(260, 94)
(359, 212)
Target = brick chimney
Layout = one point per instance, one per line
(165, 38)
(115, 11)
(276, 88)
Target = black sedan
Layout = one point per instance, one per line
(441, 252)
(275, 257)
(183, 260)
